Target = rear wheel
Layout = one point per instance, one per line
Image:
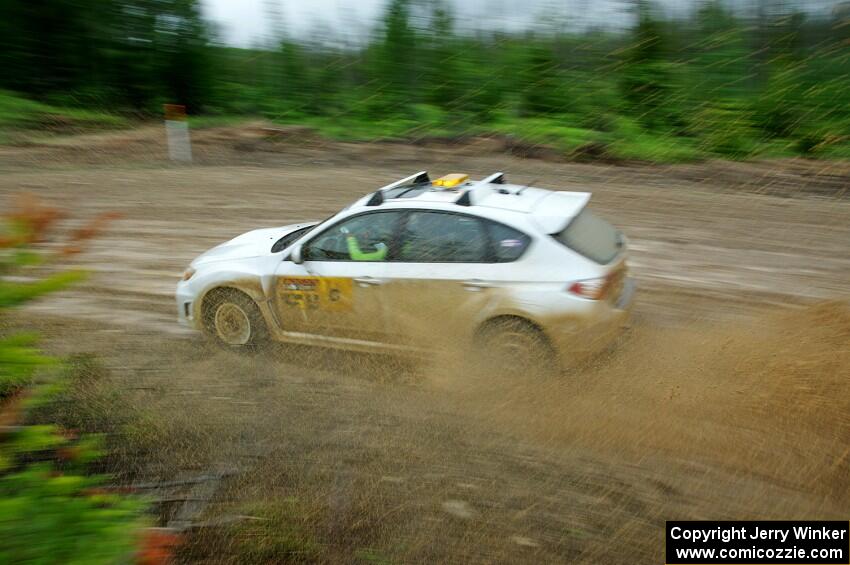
(512, 345)
(233, 319)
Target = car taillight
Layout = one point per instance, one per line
(593, 289)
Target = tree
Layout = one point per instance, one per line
(133, 53)
(396, 55)
(442, 67)
(646, 83)
(543, 87)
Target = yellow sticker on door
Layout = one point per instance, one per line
(331, 294)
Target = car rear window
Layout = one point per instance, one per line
(593, 237)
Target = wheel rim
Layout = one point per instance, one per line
(514, 349)
(232, 324)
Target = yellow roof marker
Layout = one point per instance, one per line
(451, 181)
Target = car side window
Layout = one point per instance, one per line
(436, 237)
(508, 244)
(366, 237)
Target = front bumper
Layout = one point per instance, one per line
(185, 307)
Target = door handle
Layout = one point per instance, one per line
(475, 285)
(368, 281)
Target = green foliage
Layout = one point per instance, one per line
(137, 53)
(544, 89)
(49, 510)
(546, 131)
(812, 141)
(647, 83)
(19, 360)
(645, 146)
(718, 82)
(48, 518)
(724, 130)
(35, 438)
(19, 112)
(15, 293)
(777, 108)
(395, 56)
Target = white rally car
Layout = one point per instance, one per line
(521, 273)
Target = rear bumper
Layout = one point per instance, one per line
(575, 339)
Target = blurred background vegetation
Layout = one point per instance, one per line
(53, 508)
(739, 80)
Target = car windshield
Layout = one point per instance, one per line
(289, 239)
(592, 237)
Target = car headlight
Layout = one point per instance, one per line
(188, 273)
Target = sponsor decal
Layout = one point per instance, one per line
(331, 294)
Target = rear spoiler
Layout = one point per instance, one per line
(554, 213)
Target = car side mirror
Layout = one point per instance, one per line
(297, 256)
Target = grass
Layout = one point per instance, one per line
(228, 120)
(657, 149)
(569, 135)
(556, 133)
(623, 140)
(19, 114)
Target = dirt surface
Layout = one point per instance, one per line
(727, 399)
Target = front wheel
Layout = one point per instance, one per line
(234, 320)
(512, 346)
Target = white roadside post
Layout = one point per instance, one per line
(177, 130)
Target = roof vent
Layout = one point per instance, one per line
(496, 178)
(377, 199)
(466, 198)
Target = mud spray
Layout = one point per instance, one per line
(340, 457)
(769, 397)
(439, 460)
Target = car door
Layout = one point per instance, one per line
(337, 292)
(447, 269)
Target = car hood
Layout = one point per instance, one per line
(254, 243)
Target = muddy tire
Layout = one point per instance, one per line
(233, 320)
(512, 346)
